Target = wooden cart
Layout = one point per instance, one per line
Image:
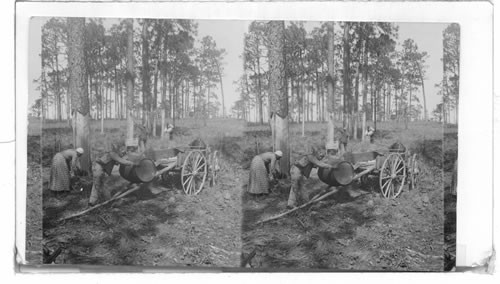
(194, 164)
(394, 169)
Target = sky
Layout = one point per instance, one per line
(228, 34)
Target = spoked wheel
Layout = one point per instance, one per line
(194, 172)
(414, 169)
(214, 167)
(392, 175)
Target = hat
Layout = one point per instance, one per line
(79, 151)
(279, 153)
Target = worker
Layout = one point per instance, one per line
(64, 165)
(104, 165)
(262, 170)
(301, 171)
(344, 138)
(143, 135)
(168, 131)
(370, 131)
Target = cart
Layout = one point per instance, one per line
(195, 164)
(394, 168)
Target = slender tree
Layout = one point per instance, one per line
(129, 76)
(78, 89)
(331, 87)
(278, 92)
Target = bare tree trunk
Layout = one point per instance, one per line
(146, 88)
(68, 107)
(78, 89)
(347, 81)
(219, 71)
(423, 90)
(302, 95)
(365, 89)
(130, 78)
(330, 144)
(279, 98)
(58, 85)
(163, 102)
(102, 112)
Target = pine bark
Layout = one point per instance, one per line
(130, 78)
(331, 87)
(78, 89)
(278, 93)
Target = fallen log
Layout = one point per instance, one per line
(313, 200)
(116, 197)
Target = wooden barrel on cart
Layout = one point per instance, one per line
(341, 174)
(143, 172)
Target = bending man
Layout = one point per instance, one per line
(104, 165)
(300, 171)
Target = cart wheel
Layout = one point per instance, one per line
(414, 169)
(194, 172)
(392, 175)
(214, 167)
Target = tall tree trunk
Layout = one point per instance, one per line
(129, 76)
(365, 89)
(318, 98)
(279, 98)
(103, 111)
(219, 72)
(408, 114)
(330, 144)
(259, 93)
(68, 107)
(303, 99)
(356, 99)
(58, 83)
(155, 97)
(78, 89)
(146, 88)
(419, 68)
(347, 81)
(117, 97)
(163, 102)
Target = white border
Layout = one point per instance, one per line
(476, 85)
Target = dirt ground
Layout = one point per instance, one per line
(355, 229)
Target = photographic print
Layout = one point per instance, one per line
(247, 144)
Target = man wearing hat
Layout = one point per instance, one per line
(64, 165)
(113, 155)
(301, 171)
(262, 168)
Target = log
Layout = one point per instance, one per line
(313, 200)
(116, 197)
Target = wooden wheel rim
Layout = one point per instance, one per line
(392, 175)
(414, 172)
(194, 172)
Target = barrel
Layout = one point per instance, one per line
(144, 171)
(342, 174)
